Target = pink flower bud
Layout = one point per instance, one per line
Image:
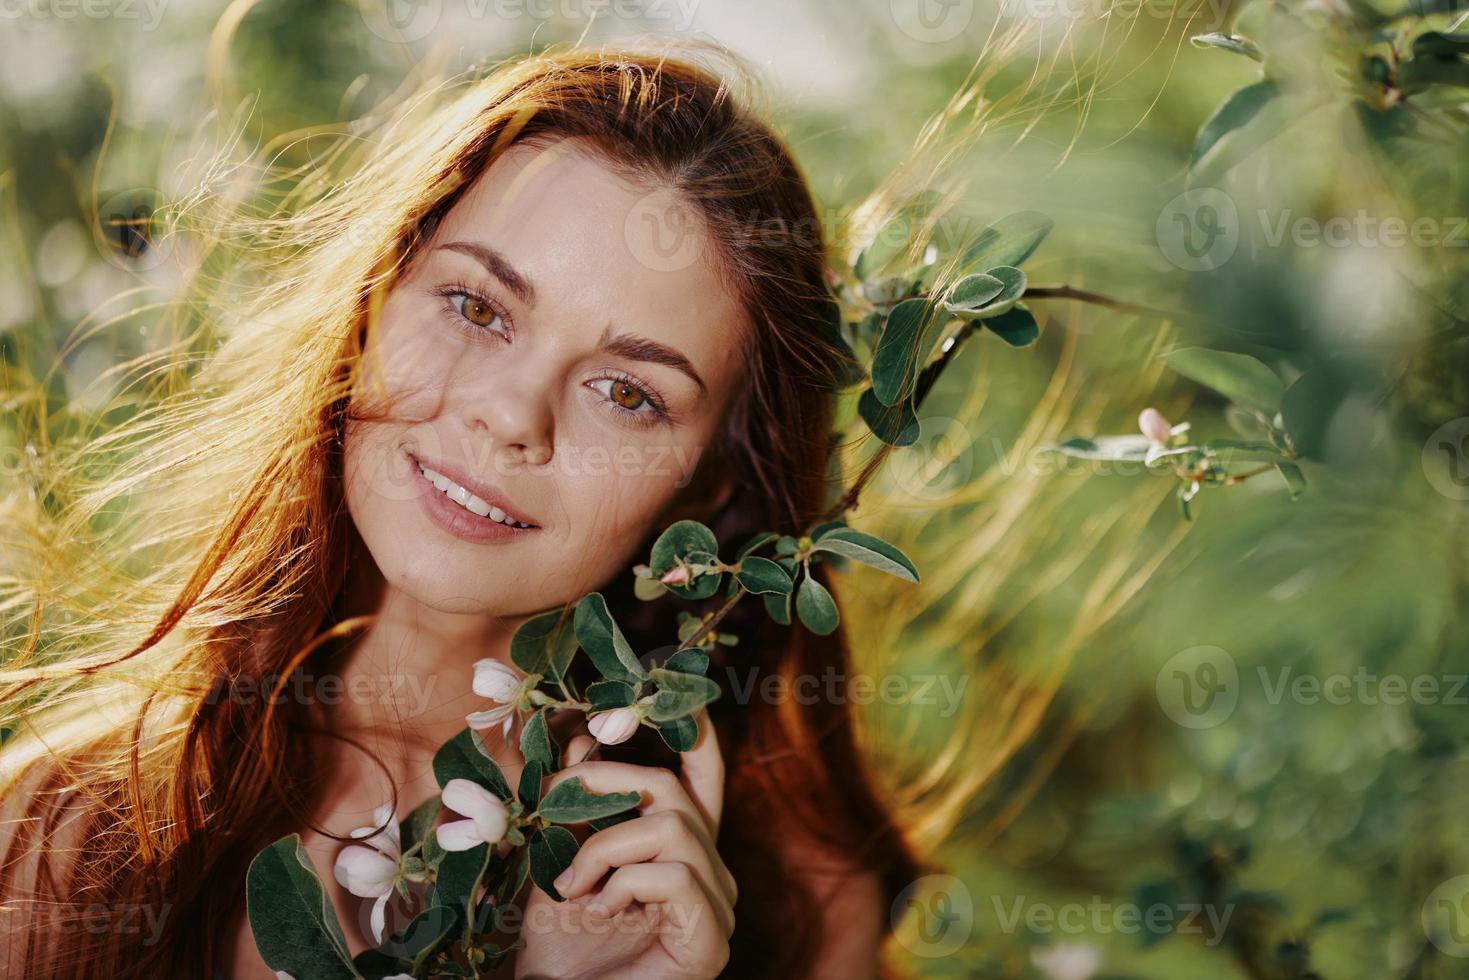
(1153, 425)
(611, 727)
(675, 576)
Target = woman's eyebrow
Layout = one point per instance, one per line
(630, 346)
(499, 267)
(636, 348)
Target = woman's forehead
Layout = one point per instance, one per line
(591, 243)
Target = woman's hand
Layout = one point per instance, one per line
(667, 908)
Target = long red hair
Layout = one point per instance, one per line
(172, 806)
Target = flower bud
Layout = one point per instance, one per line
(486, 821)
(675, 576)
(611, 727)
(1153, 425)
(496, 680)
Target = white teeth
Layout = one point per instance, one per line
(467, 500)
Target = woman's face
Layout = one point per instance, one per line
(562, 347)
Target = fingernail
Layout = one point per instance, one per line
(563, 880)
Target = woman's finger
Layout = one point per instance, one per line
(686, 911)
(660, 788)
(665, 836)
(703, 772)
(577, 749)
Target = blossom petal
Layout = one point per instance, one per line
(480, 720)
(457, 835)
(496, 680)
(379, 916)
(365, 871)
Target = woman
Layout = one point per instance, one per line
(587, 291)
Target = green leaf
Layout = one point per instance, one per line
(1234, 43)
(827, 527)
(778, 608)
(416, 825)
(681, 540)
(530, 784)
(1295, 480)
(536, 744)
(599, 636)
(680, 734)
(1307, 410)
(815, 606)
(544, 645)
(895, 364)
(1245, 127)
(679, 694)
(870, 550)
(1016, 326)
(760, 575)
(1233, 113)
(1238, 377)
(458, 876)
(1438, 44)
(1009, 241)
(895, 426)
(462, 758)
(690, 661)
(294, 924)
(973, 292)
(606, 695)
(552, 849)
(1418, 74)
(1012, 287)
(421, 935)
(1111, 448)
(570, 801)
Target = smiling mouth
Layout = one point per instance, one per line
(467, 500)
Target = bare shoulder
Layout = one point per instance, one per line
(851, 904)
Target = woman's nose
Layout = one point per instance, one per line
(517, 418)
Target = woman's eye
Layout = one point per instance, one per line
(476, 310)
(628, 398)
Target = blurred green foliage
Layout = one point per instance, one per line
(1233, 741)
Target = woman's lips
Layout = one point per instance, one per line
(458, 520)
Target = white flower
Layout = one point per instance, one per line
(611, 727)
(496, 680)
(372, 869)
(502, 684)
(487, 819)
